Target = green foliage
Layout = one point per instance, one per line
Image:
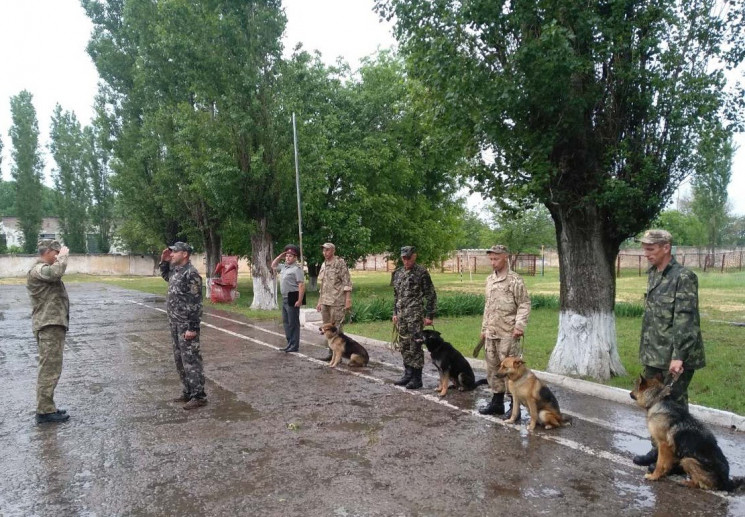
(685, 227)
(100, 144)
(710, 184)
(524, 230)
(68, 148)
(27, 168)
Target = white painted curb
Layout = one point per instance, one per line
(705, 414)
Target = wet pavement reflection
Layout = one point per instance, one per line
(283, 434)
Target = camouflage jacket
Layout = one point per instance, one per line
(506, 307)
(49, 301)
(411, 288)
(671, 327)
(335, 282)
(184, 301)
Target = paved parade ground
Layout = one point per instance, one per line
(284, 434)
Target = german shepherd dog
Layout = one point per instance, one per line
(342, 345)
(527, 390)
(682, 440)
(449, 362)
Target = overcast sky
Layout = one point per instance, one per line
(42, 50)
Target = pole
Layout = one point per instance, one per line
(297, 187)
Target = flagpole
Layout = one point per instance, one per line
(297, 187)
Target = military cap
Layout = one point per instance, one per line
(49, 244)
(181, 246)
(407, 251)
(497, 249)
(328, 245)
(656, 237)
(293, 249)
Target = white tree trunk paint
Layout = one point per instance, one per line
(586, 346)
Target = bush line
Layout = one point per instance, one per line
(457, 305)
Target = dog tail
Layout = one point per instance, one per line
(480, 382)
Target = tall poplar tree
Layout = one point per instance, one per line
(68, 148)
(27, 168)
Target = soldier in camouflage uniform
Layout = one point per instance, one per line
(412, 286)
(50, 318)
(335, 293)
(184, 308)
(671, 342)
(506, 311)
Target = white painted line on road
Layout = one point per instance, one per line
(609, 456)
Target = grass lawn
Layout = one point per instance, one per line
(721, 299)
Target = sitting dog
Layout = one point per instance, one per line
(449, 362)
(342, 345)
(527, 390)
(681, 440)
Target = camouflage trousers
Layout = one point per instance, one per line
(679, 391)
(495, 350)
(333, 314)
(408, 326)
(51, 343)
(188, 361)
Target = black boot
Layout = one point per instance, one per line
(495, 407)
(403, 381)
(416, 379)
(646, 459)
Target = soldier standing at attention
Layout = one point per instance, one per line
(506, 311)
(292, 287)
(50, 318)
(335, 294)
(671, 340)
(184, 308)
(412, 286)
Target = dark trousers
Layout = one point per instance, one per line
(291, 322)
(188, 361)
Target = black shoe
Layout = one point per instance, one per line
(416, 379)
(62, 411)
(495, 406)
(44, 418)
(645, 460)
(293, 349)
(403, 381)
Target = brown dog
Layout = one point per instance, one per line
(527, 390)
(342, 345)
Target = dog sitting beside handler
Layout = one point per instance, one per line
(506, 311)
(671, 345)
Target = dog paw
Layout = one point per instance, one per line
(651, 477)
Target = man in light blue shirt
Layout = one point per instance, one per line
(292, 287)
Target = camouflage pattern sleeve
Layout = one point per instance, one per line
(51, 273)
(686, 325)
(428, 289)
(395, 292)
(522, 300)
(165, 270)
(193, 302)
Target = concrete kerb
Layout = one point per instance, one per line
(705, 414)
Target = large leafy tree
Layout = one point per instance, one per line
(68, 148)
(193, 90)
(591, 108)
(27, 168)
(99, 147)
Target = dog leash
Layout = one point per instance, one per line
(673, 379)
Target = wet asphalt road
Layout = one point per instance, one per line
(283, 434)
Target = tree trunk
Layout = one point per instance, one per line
(313, 270)
(212, 253)
(265, 287)
(586, 345)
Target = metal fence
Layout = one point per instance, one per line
(718, 262)
(462, 261)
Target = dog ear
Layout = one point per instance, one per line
(332, 328)
(518, 361)
(659, 377)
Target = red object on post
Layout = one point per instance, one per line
(224, 286)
